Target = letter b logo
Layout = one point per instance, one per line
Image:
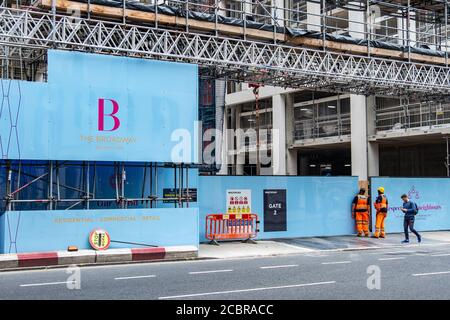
(102, 115)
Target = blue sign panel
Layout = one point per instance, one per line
(104, 108)
(432, 195)
(315, 206)
(30, 231)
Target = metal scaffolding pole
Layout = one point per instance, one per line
(447, 158)
(252, 61)
(14, 173)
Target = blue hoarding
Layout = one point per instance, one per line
(103, 108)
(315, 206)
(432, 196)
(29, 231)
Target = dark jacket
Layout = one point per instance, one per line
(411, 208)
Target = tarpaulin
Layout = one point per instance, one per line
(293, 32)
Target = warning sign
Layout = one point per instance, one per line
(99, 239)
(239, 201)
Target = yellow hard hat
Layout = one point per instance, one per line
(381, 189)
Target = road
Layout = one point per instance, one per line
(409, 272)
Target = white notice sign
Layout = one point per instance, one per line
(239, 201)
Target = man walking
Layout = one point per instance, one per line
(360, 212)
(410, 210)
(381, 205)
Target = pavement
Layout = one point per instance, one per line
(238, 249)
(385, 271)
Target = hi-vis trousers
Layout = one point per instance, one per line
(379, 225)
(362, 223)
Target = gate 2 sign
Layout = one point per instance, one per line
(275, 210)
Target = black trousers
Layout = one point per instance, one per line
(408, 222)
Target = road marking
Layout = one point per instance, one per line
(440, 255)
(393, 258)
(336, 262)
(247, 290)
(210, 271)
(46, 283)
(135, 277)
(399, 252)
(394, 252)
(430, 273)
(284, 266)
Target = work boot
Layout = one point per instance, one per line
(382, 236)
(359, 235)
(366, 235)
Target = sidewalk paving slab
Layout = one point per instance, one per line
(237, 249)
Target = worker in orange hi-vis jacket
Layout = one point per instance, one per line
(360, 212)
(381, 205)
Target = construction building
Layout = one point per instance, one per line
(336, 132)
(331, 88)
(352, 87)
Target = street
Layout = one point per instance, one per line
(409, 272)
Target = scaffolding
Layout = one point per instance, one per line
(66, 185)
(27, 30)
(405, 114)
(396, 48)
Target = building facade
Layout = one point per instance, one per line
(327, 132)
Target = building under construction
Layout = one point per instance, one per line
(338, 88)
(315, 59)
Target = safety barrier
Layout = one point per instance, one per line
(231, 227)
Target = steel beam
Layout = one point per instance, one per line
(250, 61)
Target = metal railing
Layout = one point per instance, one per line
(324, 126)
(414, 115)
(65, 185)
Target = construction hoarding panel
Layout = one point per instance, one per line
(432, 196)
(30, 231)
(103, 108)
(315, 206)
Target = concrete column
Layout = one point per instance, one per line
(358, 118)
(247, 8)
(291, 162)
(356, 24)
(304, 165)
(224, 145)
(313, 16)
(291, 155)
(373, 155)
(402, 25)
(278, 12)
(240, 156)
(372, 147)
(221, 8)
(279, 135)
